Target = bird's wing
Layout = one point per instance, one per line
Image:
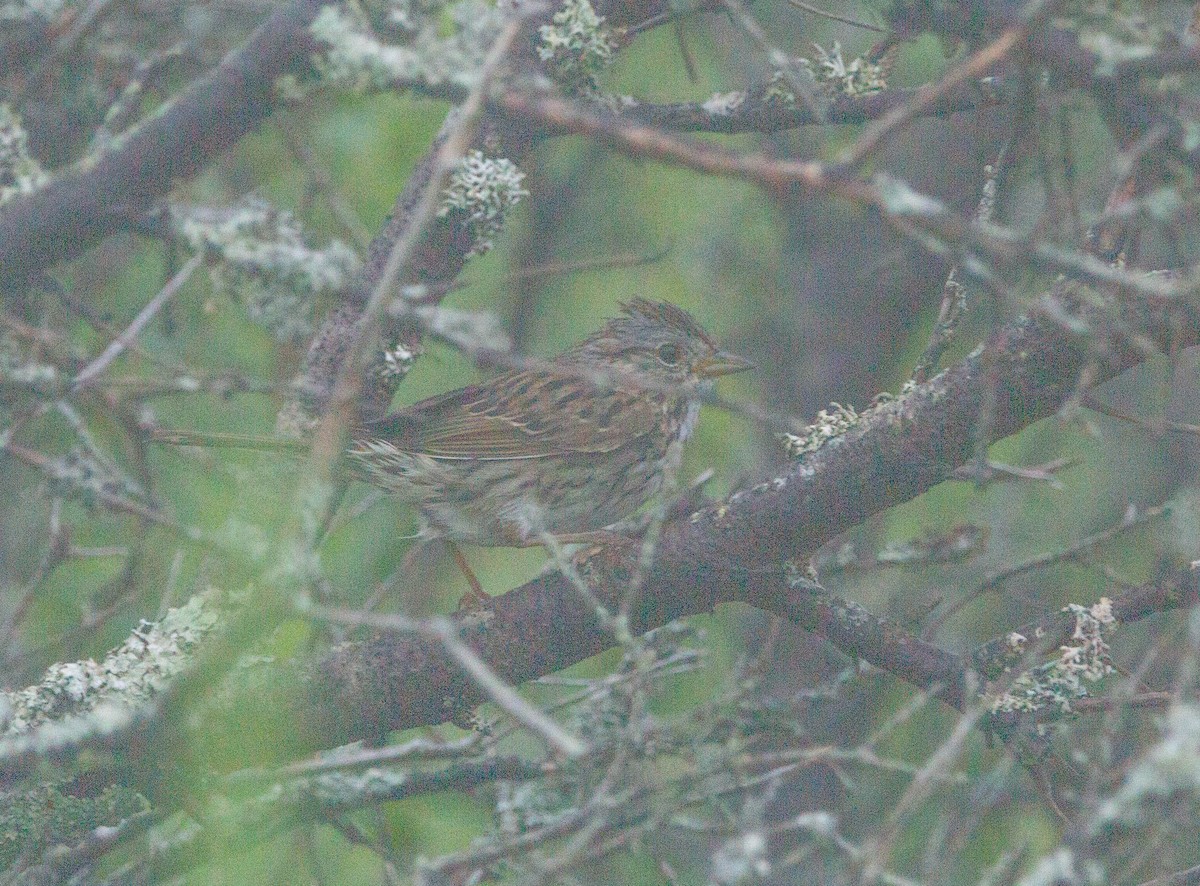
(520, 415)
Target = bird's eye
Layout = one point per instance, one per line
(668, 354)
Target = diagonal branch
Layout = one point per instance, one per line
(734, 551)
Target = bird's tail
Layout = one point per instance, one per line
(174, 437)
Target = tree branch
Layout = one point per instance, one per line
(733, 551)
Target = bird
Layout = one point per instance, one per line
(568, 447)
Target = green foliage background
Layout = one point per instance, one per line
(718, 247)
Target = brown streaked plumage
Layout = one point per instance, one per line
(567, 449)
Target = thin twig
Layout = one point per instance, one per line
(355, 757)
(507, 698)
(923, 219)
(954, 294)
(615, 625)
(1156, 426)
(90, 372)
(1132, 519)
(1082, 546)
(801, 85)
(649, 545)
(46, 465)
(995, 471)
(444, 631)
(976, 66)
(1190, 877)
(833, 16)
(323, 184)
(878, 849)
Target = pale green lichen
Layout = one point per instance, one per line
(48, 814)
(830, 424)
(265, 261)
(18, 369)
(778, 91)
(722, 104)
(1191, 134)
(961, 542)
(1050, 870)
(131, 675)
(354, 58)
(479, 194)
(397, 361)
(900, 198)
(831, 560)
(577, 47)
(1061, 682)
(89, 478)
(472, 332)
(20, 173)
(524, 806)
(409, 16)
(248, 539)
(1017, 643)
(741, 859)
(1112, 51)
(834, 74)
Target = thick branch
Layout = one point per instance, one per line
(733, 551)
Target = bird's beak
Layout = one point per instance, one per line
(722, 363)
